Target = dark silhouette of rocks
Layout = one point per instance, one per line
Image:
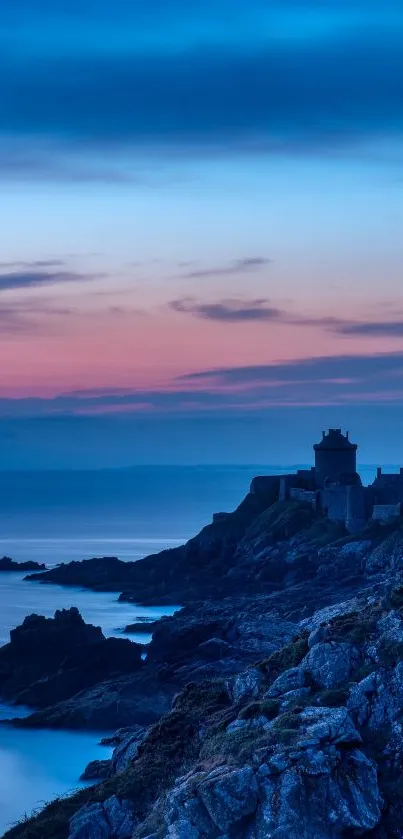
(141, 627)
(8, 564)
(50, 659)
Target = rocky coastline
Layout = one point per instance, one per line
(270, 705)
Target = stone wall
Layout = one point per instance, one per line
(307, 495)
(334, 502)
(383, 512)
(356, 518)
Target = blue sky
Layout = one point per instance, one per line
(202, 216)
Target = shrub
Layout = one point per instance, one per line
(334, 697)
(355, 627)
(288, 656)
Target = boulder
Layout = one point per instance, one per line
(290, 680)
(377, 701)
(324, 795)
(246, 685)
(229, 795)
(97, 770)
(329, 725)
(127, 749)
(213, 802)
(113, 819)
(331, 663)
(182, 829)
(90, 823)
(387, 556)
(324, 616)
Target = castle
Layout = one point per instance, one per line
(334, 486)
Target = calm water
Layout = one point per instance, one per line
(32, 773)
(57, 517)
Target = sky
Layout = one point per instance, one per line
(201, 222)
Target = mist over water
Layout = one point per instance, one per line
(37, 766)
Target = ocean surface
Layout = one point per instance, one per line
(55, 517)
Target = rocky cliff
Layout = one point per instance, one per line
(270, 706)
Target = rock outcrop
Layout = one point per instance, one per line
(8, 564)
(49, 660)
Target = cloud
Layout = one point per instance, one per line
(32, 265)
(374, 329)
(13, 280)
(237, 266)
(344, 380)
(229, 311)
(236, 310)
(340, 369)
(282, 76)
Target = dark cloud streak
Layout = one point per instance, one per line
(286, 93)
(238, 266)
(18, 280)
(328, 380)
(260, 309)
(229, 311)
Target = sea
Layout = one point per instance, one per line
(55, 517)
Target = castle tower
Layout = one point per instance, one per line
(335, 457)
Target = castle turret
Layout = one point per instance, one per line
(335, 458)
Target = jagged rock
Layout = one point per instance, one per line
(229, 795)
(127, 749)
(247, 684)
(320, 796)
(96, 770)
(182, 829)
(390, 627)
(216, 801)
(331, 663)
(120, 817)
(8, 564)
(330, 725)
(90, 823)
(49, 660)
(291, 679)
(377, 700)
(386, 556)
(113, 819)
(260, 634)
(184, 806)
(323, 616)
